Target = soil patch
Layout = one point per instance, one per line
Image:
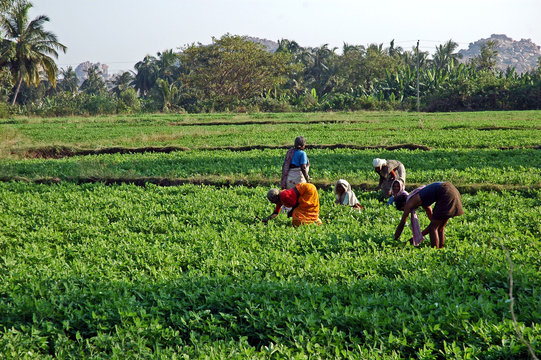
(58, 152)
(491, 128)
(267, 122)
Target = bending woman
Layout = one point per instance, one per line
(388, 171)
(344, 195)
(304, 201)
(296, 165)
(447, 205)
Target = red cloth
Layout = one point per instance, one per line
(288, 198)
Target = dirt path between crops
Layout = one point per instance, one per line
(490, 128)
(268, 122)
(58, 152)
(160, 181)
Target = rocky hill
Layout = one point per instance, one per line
(522, 55)
(270, 46)
(82, 68)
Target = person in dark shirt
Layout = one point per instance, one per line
(447, 204)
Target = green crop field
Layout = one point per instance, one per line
(98, 261)
(444, 130)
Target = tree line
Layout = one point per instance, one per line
(235, 74)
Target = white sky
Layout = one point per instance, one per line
(121, 32)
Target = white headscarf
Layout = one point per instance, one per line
(348, 196)
(377, 162)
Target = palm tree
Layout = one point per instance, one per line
(320, 68)
(289, 46)
(348, 48)
(122, 82)
(168, 65)
(487, 58)
(94, 83)
(31, 45)
(69, 81)
(445, 55)
(147, 74)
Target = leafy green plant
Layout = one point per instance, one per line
(94, 270)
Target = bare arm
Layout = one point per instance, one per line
(272, 216)
(410, 205)
(401, 225)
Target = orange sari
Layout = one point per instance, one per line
(307, 212)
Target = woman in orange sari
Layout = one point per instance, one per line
(304, 201)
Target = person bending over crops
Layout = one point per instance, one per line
(388, 171)
(447, 205)
(303, 201)
(296, 165)
(344, 195)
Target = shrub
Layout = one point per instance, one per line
(4, 110)
(100, 104)
(128, 101)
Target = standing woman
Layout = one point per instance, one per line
(447, 204)
(296, 165)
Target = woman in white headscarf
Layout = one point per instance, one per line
(388, 171)
(344, 195)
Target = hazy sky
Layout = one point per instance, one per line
(121, 32)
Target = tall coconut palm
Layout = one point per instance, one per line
(445, 55)
(168, 65)
(122, 82)
(147, 74)
(31, 45)
(69, 81)
(94, 83)
(320, 68)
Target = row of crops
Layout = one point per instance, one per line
(125, 271)
(510, 168)
(450, 131)
(89, 270)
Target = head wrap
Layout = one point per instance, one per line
(377, 162)
(401, 190)
(347, 197)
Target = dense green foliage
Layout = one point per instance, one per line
(124, 271)
(235, 74)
